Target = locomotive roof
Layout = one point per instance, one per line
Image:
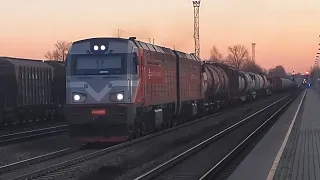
(146, 46)
(161, 49)
(55, 62)
(9, 61)
(100, 38)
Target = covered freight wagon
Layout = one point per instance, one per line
(58, 87)
(286, 83)
(276, 84)
(26, 89)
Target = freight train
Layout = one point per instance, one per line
(31, 90)
(120, 89)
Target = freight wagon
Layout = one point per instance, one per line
(280, 84)
(26, 92)
(58, 92)
(119, 89)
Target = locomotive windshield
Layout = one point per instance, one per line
(98, 64)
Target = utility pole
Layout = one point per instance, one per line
(150, 41)
(316, 62)
(253, 51)
(119, 32)
(293, 75)
(196, 7)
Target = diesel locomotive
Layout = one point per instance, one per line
(119, 89)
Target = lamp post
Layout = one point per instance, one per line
(196, 36)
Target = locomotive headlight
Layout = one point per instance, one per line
(95, 47)
(79, 97)
(76, 97)
(117, 96)
(103, 47)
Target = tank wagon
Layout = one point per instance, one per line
(223, 85)
(27, 90)
(119, 89)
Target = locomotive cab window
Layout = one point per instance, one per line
(99, 64)
(136, 63)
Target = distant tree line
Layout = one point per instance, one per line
(315, 77)
(238, 57)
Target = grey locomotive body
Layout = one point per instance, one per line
(101, 87)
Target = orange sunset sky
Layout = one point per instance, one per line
(286, 31)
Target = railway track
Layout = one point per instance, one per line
(20, 136)
(13, 166)
(67, 159)
(187, 165)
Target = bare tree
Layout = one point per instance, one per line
(238, 54)
(215, 55)
(60, 51)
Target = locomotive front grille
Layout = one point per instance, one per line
(94, 114)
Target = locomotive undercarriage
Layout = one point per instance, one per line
(130, 124)
(159, 117)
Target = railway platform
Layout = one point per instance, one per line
(291, 148)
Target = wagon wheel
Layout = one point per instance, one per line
(2, 120)
(144, 129)
(136, 132)
(172, 123)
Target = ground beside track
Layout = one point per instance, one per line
(198, 163)
(300, 156)
(30, 126)
(130, 161)
(32, 148)
(254, 162)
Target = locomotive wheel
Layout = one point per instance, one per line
(166, 124)
(180, 121)
(175, 122)
(2, 120)
(137, 132)
(143, 129)
(152, 128)
(171, 123)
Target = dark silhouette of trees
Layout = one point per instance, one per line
(251, 66)
(215, 55)
(278, 71)
(60, 51)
